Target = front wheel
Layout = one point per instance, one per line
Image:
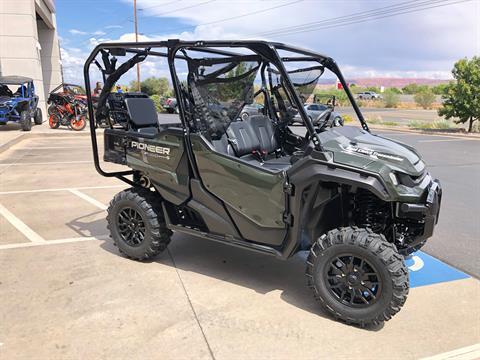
(136, 223)
(54, 121)
(25, 121)
(358, 276)
(38, 118)
(78, 124)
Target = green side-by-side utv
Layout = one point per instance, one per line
(358, 202)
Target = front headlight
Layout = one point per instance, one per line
(394, 178)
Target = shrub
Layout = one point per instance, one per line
(424, 98)
(391, 99)
(440, 124)
(157, 101)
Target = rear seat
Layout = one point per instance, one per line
(248, 139)
(143, 115)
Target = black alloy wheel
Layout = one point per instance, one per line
(131, 226)
(353, 281)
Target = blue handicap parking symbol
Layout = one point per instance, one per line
(426, 270)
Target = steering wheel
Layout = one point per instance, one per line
(322, 119)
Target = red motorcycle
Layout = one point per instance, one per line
(67, 108)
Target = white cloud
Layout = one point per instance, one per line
(99, 33)
(77, 32)
(113, 27)
(423, 43)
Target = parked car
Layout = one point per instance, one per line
(368, 95)
(251, 109)
(18, 102)
(171, 105)
(315, 110)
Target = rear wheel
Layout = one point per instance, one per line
(78, 124)
(38, 118)
(25, 121)
(54, 121)
(136, 223)
(357, 276)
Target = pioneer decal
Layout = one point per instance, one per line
(153, 150)
(372, 153)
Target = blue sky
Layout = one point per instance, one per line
(415, 44)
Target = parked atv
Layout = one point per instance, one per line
(67, 107)
(18, 102)
(358, 202)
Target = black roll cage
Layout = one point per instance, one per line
(268, 50)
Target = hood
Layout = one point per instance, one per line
(356, 147)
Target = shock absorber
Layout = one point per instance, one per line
(370, 211)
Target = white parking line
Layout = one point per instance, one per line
(52, 147)
(53, 242)
(466, 353)
(89, 199)
(49, 163)
(60, 189)
(21, 226)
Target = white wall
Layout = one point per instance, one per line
(21, 35)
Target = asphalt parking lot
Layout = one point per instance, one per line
(66, 293)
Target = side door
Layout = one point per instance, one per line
(254, 197)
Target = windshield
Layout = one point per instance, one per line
(220, 88)
(304, 79)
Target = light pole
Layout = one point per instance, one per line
(136, 39)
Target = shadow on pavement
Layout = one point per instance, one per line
(257, 272)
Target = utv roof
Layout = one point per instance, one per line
(14, 80)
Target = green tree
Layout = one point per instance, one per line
(373, 88)
(152, 86)
(391, 99)
(395, 90)
(410, 89)
(157, 101)
(424, 98)
(439, 89)
(461, 98)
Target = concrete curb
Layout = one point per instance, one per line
(425, 132)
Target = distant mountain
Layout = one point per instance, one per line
(387, 82)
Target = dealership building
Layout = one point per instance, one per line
(29, 43)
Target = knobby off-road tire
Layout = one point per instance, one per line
(38, 118)
(329, 274)
(25, 121)
(138, 212)
(78, 124)
(54, 120)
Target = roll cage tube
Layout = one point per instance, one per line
(268, 50)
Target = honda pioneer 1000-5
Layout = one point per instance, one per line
(358, 202)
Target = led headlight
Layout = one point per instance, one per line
(394, 178)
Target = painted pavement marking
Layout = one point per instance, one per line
(466, 353)
(53, 242)
(21, 226)
(61, 189)
(90, 199)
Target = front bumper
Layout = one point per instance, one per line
(425, 214)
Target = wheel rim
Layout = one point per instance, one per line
(77, 124)
(53, 121)
(131, 226)
(353, 281)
